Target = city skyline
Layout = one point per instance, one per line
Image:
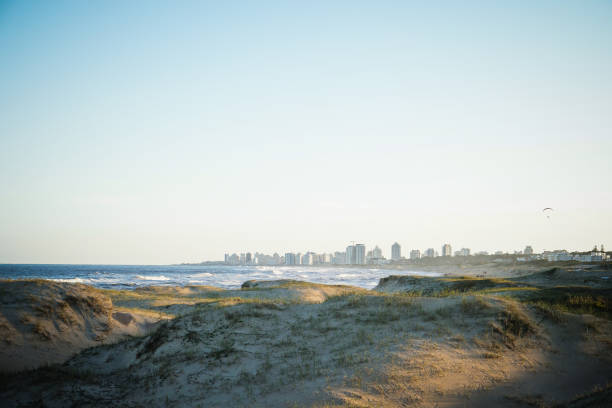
(354, 256)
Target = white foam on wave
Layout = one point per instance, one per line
(153, 277)
(347, 275)
(323, 270)
(199, 282)
(202, 275)
(233, 277)
(69, 280)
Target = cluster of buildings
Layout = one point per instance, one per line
(356, 254)
(595, 255)
(432, 253)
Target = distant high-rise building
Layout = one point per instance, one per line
(249, 258)
(447, 250)
(429, 253)
(289, 259)
(415, 254)
(396, 252)
(528, 250)
(464, 252)
(377, 253)
(360, 254)
(242, 259)
(307, 258)
(339, 258)
(350, 255)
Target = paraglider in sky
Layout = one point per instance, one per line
(547, 211)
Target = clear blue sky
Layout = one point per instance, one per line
(159, 132)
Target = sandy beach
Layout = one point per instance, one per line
(540, 339)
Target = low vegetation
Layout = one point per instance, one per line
(412, 341)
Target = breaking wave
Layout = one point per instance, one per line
(153, 278)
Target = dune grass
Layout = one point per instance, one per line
(572, 299)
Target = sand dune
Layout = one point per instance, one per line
(44, 322)
(528, 341)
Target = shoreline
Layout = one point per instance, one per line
(231, 277)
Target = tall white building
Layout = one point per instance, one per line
(350, 255)
(290, 259)
(396, 252)
(415, 254)
(360, 254)
(447, 250)
(429, 253)
(307, 258)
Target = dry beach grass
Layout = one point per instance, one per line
(537, 340)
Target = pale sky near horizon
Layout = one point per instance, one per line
(161, 132)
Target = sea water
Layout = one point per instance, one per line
(223, 276)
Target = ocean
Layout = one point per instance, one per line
(223, 276)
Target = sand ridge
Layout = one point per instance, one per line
(45, 322)
(450, 341)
